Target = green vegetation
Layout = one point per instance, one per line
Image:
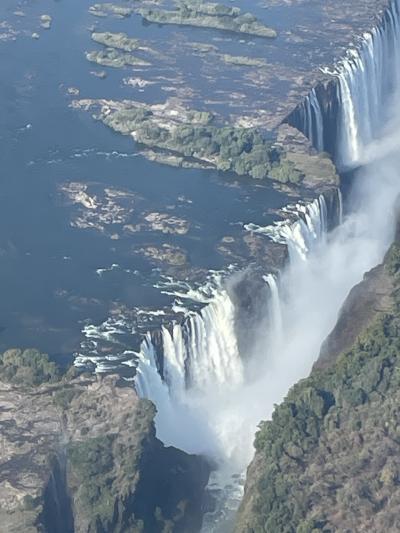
(28, 367)
(113, 58)
(210, 15)
(242, 61)
(203, 48)
(116, 40)
(103, 10)
(92, 461)
(243, 151)
(106, 471)
(329, 458)
(64, 397)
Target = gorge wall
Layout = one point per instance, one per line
(82, 456)
(346, 111)
(206, 377)
(328, 459)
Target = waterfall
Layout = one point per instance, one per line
(302, 234)
(148, 381)
(313, 120)
(204, 396)
(200, 353)
(195, 364)
(366, 79)
(213, 355)
(275, 308)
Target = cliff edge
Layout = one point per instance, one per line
(79, 454)
(329, 460)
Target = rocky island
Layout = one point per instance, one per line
(106, 9)
(110, 57)
(210, 15)
(186, 137)
(116, 40)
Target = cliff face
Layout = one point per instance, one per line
(81, 455)
(329, 459)
(365, 301)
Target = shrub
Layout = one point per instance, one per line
(28, 367)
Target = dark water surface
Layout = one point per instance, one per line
(48, 281)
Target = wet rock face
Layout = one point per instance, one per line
(367, 298)
(81, 455)
(250, 295)
(335, 436)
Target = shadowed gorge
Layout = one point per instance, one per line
(328, 459)
(199, 216)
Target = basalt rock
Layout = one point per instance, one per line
(329, 458)
(81, 455)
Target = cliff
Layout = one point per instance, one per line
(79, 454)
(329, 458)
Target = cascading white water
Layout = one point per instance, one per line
(366, 76)
(313, 120)
(205, 400)
(275, 310)
(302, 234)
(202, 366)
(200, 353)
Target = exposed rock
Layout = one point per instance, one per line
(116, 40)
(45, 21)
(329, 458)
(103, 10)
(210, 15)
(102, 74)
(171, 255)
(167, 223)
(98, 211)
(242, 61)
(369, 297)
(81, 455)
(113, 58)
(319, 172)
(137, 82)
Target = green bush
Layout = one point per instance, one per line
(28, 367)
(92, 462)
(63, 397)
(350, 399)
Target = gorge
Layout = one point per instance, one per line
(202, 248)
(211, 395)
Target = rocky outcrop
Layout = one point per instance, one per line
(371, 296)
(81, 455)
(329, 458)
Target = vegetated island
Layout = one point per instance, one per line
(329, 460)
(79, 453)
(110, 57)
(106, 9)
(117, 51)
(116, 40)
(191, 138)
(210, 15)
(242, 61)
